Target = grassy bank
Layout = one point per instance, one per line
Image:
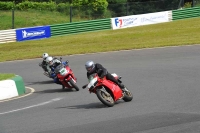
(32, 18)
(4, 76)
(181, 32)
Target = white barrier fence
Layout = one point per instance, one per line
(7, 36)
(170, 16)
(139, 20)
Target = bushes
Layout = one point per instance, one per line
(47, 6)
(81, 8)
(94, 8)
(28, 5)
(6, 5)
(188, 5)
(63, 7)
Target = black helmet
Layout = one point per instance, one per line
(89, 66)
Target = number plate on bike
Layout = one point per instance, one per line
(63, 71)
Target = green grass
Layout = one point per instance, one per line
(32, 18)
(4, 76)
(175, 33)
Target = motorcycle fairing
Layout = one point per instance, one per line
(64, 76)
(114, 89)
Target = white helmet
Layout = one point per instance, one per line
(45, 55)
(89, 66)
(49, 60)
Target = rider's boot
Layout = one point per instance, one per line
(63, 87)
(121, 86)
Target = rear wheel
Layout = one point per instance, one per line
(128, 96)
(74, 84)
(105, 97)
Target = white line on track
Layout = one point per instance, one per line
(36, 105)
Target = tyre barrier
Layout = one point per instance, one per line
(12, 87)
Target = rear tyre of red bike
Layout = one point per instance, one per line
(74, 84)
(106, 99)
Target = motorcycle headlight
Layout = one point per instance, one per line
(92, 83)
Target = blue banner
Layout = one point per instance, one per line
(33, 33)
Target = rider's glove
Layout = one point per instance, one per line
(84, 86)
(101, 77)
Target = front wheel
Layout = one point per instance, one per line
(74, 84)
(105, 97)
(128, 96)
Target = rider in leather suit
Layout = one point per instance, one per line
(44, 63)
(52, 63)
(92, 68)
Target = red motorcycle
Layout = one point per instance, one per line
(107, 91)
(66, 76)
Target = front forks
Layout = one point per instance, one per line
(104, 90)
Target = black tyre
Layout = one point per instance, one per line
(105, 98)
(128, 96)
(74, 84)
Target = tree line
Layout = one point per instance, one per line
(93, 8)
(71, 1)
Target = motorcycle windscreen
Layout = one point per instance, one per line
(92, 83)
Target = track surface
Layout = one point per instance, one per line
(165, 83)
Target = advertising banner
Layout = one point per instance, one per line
(137, 20)
(33, 33)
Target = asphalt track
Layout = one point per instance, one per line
(165, 83)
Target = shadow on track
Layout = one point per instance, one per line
(85, 106)
(89, 106)
(59, 90)
(40, 82)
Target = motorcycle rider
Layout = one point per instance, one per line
(92, 68)
(52, 63)
(44, 63)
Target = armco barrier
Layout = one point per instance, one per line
(78, 27)
(7, 36)
(12, 87)
(186, 13)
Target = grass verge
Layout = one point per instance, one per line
(4, 76)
